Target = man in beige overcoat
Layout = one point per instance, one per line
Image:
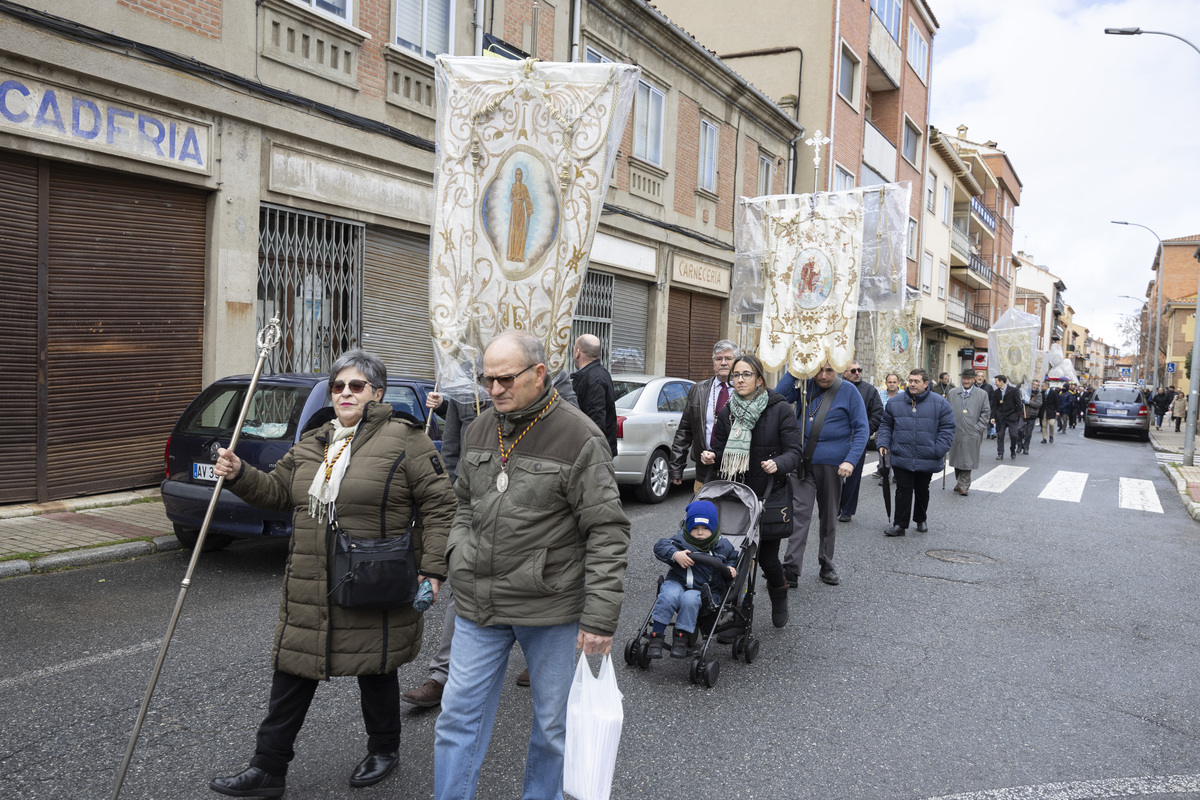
(972, 410)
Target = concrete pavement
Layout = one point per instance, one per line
(1168, 447)
(82, 531)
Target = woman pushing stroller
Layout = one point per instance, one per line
(680, 593)
(756, 441)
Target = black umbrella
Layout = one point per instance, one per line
(885, 471)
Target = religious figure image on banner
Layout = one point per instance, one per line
(897, 338)
(810, 271)
(524, 151)
(1012, 344)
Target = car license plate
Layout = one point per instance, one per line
(1118, 412)
(203, 472)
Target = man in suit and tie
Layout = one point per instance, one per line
(704, 401)
(1006, 413)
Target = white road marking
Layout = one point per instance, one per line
(78, 663)
(1087, 790)
(998, 479)
(1139, 495)
(1065, 486)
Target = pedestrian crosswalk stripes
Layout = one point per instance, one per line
(1139, 495)
(998, 479)
(1066, 486)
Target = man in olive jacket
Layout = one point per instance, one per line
(536, 555)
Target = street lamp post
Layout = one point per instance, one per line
(1189, 438)
(1158, 280)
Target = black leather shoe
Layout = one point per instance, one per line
(250, 782)
(793, 579)
(1000, 457)
(374, 768)
(922, 527)
(844, 517)
(895, 530)
(830, 576)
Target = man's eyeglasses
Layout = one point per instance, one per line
(355, 386)
(505, 381)
(855, 371)
(742, 376)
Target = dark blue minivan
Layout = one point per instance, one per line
(283, 407)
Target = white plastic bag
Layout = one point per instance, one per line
(594, 717)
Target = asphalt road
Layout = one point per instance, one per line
(1022, 642)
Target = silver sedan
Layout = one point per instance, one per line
(648, 413)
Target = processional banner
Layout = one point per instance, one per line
(524, 153)
(800, 263)
(898, 337)
(1012, 343)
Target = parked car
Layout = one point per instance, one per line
(283, 407)
(1118, 409)
(648, 413)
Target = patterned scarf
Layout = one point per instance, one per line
(322, 493)
(743, 416)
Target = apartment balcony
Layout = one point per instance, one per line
(960, 247)
(1060, 305)
(885, 61)
(975, 273)
(985, 216)
(978, 322)
(878, 153)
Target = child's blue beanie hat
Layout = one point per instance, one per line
(701, 512)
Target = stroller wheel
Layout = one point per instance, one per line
(631, 651)
(696, 668)
(739, 647)
(751, 650)
(712, 671)
(642, 654)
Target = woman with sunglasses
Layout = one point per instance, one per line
(756, 441)
(372, 473)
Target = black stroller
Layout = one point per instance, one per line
(733, 613)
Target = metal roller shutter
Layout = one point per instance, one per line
(679, 338)
(396, 302)
(629, 318)
(19, 326)
(125, 316)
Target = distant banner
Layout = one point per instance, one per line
(898, 337)
(524, 152)
(1012, 343)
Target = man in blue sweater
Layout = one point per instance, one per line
(829, 457)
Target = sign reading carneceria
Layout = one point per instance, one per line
(34, 108)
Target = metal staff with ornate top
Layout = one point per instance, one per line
(268, 339)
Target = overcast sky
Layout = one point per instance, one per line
(1098, 128)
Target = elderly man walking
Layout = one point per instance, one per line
(834, 420)
(537, 554)
(704, 401)
(594, 387)
(917, 432)
(1006, 413)
(874, 406)
(972, 409)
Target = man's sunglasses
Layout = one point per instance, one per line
(856, 371)
(355, 386)
(505, 381)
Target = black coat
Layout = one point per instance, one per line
(1008, 409)
(1049, 406)
(596, 397)
(775, 436)
(870, 396)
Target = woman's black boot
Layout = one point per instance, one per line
(779, 609)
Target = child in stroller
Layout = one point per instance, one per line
(680, 596)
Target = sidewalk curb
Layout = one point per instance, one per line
(89, 556)
(79, 503)
(1189, 505)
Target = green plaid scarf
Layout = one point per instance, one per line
(743, 415)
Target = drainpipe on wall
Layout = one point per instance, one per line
(479, 27)
(576, 23)
(837, 49)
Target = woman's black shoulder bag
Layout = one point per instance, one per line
(373, 574)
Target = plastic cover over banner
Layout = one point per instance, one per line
(898, 338)
(1012, 344)
(524, 153)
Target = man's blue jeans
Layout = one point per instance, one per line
(478, 659)
(672, 598)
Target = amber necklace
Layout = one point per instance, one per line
(329, 464)
(502, 478)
